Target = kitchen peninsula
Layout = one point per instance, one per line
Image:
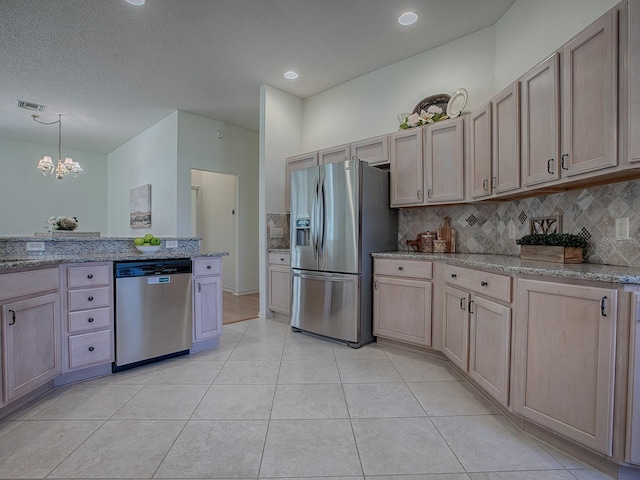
(58, 304)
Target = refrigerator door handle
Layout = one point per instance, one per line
(314, 223)
(322, 220)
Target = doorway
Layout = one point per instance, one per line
(214, 219)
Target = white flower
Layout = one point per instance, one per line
(434, 110)
(413, 120)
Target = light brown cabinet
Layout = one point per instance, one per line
(402, 300)
(633, 49)
(565, 359)
(479, 152)
(297, 162)
(444, 159)
(477, 328)
(541, 122)
(30, 344)
(590, 98)
(407, 168)
(279, 282)
(207, 301)
(341, 153)
(87, 312)
(505, 131)
(374, 151)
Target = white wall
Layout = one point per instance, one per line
(368, 105)
(280, 137)
(28, 199)
(236, 153)
(150, 157)
(530, 31)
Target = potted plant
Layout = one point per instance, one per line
(553, 247)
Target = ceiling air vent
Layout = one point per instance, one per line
(33, 107)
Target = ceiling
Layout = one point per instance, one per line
(112, 69)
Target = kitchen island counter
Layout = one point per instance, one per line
(512, 264)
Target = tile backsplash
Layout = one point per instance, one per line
(278, 220)
(590, 212)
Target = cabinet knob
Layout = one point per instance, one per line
(282, 259)
(483, 283)
(90, 276)
(90, 298)
(454, 275)
(90, 319)
(91, 349)
(400, 268)
(208, 267)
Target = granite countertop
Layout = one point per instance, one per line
(512, 264)
(7, 264)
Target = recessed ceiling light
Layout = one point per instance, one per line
(291, 75)
(407, 18)
(136, 2)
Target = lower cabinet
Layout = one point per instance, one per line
(279, 283)
(207, 298)
(565, 359)
(30, 344)
(402, 300)
(477, 330)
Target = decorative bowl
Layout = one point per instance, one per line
(148, 248)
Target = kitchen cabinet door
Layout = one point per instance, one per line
(444, 145)
(374, 151)
(541, 122)
(480, 156)
(490, 347)
(407, 169)
(505, 117)
(341, 153)
(634, 81)
(402, 309)
(280, 288)
(589, 117)
(296, 163)
(455, 328)
(207, 306)
(565, 359)
(30, 344)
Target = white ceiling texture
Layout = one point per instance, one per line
(113, 69)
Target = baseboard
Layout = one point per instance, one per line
(239, 294)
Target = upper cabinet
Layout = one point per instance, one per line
(479, 152)
(334, 154)
(374, 151)
(505, 121)
(444, 155)
(589, 98)
(541, 122)
(297, 162)
(407, 168)
(634, 80)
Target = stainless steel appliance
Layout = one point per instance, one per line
(339, 215)
(153, 310)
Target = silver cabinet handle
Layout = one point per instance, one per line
(419, 194)
(429, 192)
(13, 317)
(493, 183)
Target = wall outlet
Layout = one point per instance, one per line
(171, 244)
(276, 233)
(512, 230)
(622, 228)
(35, 247)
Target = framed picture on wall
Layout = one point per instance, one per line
(140, 206)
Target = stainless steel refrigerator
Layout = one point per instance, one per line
(339, 215)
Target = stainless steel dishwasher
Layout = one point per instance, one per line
(153, 317)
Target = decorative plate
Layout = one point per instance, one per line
(439, 100)
(457, 102)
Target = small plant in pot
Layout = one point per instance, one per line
(553, 247)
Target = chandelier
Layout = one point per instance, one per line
(64, 167)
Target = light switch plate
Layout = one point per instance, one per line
(171, 244)
(622, 228)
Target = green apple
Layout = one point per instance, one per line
(156, 241)
(148, 237)
(138, 241)
(146, 244)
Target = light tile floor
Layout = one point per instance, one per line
(270, 403)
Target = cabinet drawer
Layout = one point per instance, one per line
(89, 319)
(26, 283)
(279, 258)
(90, 349)
(207, 266)
(89, 298)
(88, 276)
(489, 284)
(402, 268)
